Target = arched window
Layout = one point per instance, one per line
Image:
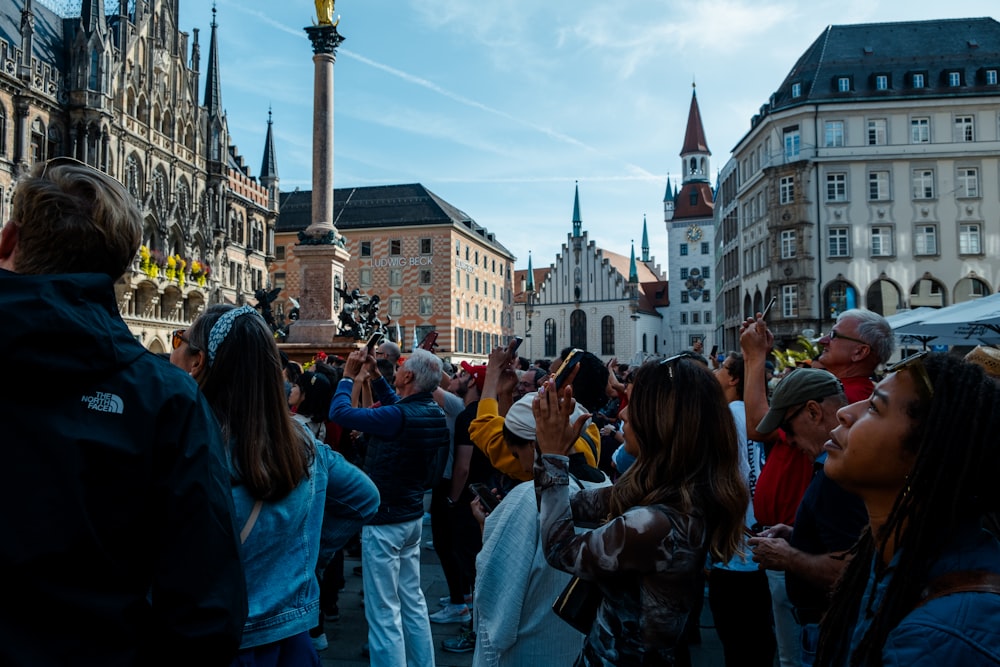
(839, 296)
(550, 338)
(3, 131)
(644, 349)
(928, 291)
(578, 329)
(883, 297)
(608, 336)
(968, 289)
(37, 141)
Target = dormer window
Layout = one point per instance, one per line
(844, 84)
(919, 80)
(954, 79)
(796, 90)
(881, 82)
(991, 77)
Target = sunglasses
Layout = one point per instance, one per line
(915, 364)
(178, 337)
(834, 335)
(677, 357)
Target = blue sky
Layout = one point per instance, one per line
(498, 107)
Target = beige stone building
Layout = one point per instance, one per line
(431, 265)
(120, 91)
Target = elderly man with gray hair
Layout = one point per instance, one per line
(406, 435)
(858, 343)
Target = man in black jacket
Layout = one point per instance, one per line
(115, 488)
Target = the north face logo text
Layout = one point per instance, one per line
(104, 402)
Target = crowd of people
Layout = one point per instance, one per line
(199, 510)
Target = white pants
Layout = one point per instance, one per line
(786, 630)
(399, 631)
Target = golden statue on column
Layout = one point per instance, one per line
(324, 12)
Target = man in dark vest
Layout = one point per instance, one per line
(405, 436)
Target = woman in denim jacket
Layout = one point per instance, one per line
(297, 500)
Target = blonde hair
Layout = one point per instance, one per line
(72, 218)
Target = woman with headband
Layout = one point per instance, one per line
(296, 500)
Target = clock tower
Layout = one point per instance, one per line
(690, 222)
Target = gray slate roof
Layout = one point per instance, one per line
(48, 45)
(379, 206)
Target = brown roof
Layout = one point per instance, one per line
(520, 275)
(704, 206)
(694, 137)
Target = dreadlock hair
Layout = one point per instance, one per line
(245, 389)
(947, 487)
(688, 451)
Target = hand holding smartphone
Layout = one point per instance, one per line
(571, 360)
(373, 342)
(515, 343)
(485, 495)
(769, 305)
(429, 340)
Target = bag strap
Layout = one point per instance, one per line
(251, 520)
(964, 581)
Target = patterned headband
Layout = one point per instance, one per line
(222, 327)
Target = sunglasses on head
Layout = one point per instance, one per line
(915, 364)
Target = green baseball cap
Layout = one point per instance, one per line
(798, 387)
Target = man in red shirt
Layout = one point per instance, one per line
(854, 348)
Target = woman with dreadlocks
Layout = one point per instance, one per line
(923, 587)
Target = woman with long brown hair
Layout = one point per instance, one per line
(683, 498)
(297, 500)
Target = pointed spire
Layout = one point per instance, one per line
(669, 195)
(645, 240)
(269, 167)
(531, 276)
(213, 88)
(694, 138)
(633, 271)
(92, 16)
(577, 222)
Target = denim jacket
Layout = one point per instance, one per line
(293, 535)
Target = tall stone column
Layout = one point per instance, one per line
(321, 252)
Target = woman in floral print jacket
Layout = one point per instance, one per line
(682, 498)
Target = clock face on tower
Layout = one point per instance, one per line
(694, 233)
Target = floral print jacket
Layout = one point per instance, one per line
(647, 562)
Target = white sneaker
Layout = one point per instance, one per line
(445, 600)
(320, 643)
(452, 613)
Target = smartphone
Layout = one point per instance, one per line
(571, 360)
(485, 495)
(768, 309)
(373, 342)
(715, 352)
(428, 342)
(515, 343)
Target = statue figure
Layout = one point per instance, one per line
(324, 12)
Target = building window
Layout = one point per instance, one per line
(969, 240)
(550, 338)
(684, 318)
(920, 130)
(878, 186)
(836, 187)
(684, 249)
(706, 296)
(426, 305)
(965, 128)
(578, 329)
(918, 80)
(786, 190)
(425, 246)
(684, 296)
(881, 242)
(395, 247)
(708, 317)
(834, 133)
(788, 244)
(793, 141)
(365, 279)
(844, 84)
(607, 335)
(968, 182)
(925, 240)
(279, 252)
(991, 77)
(425, 276)
(279, 280)
(706, 272)
(395, 306)
(458, 277)
(395, 277)
(876, 131)
(954, 79)
(796, 90)
(467, 307)
(3, 130)
(881, 82)
(366, 248)
(704, 247)
(923, 184)
(459, 340)
(684, 273)
(458, 307)
(837, 242)
(458, 248)
(696, 317)
(789, 301)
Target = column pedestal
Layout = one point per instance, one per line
(322, 268)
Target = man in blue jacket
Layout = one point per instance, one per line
(115, 491)
(406, 435)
